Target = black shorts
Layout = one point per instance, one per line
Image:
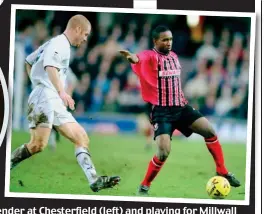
(165, 119)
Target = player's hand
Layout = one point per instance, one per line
(129, 56)
(68, 101)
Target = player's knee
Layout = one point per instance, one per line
(163, 139)
(164, 147)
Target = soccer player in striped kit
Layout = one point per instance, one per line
(159, 73)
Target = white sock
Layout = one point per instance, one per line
(85, 161)
(52, 140)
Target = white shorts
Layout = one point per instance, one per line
(46, 109)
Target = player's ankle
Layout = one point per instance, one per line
(145, 183)
(221, 172)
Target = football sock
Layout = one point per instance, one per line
(52, 140)
(85, 162)
(20, 154)
(154, 167)
(215, 149)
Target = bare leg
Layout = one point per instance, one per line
(38, 141)
(202, 127)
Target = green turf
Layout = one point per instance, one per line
(184, 175)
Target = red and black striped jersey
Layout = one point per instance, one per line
(159, 76)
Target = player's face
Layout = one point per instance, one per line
(82, 35)
(164, 42)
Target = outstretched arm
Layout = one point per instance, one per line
(132, 58)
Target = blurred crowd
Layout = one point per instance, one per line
(215, 76)
(218, 84)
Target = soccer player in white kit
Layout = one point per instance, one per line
(47, 105)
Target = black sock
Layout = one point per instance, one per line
(20, 154)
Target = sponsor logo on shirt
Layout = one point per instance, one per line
(170, 73)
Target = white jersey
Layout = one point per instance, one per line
(45, 107)
(55, 53)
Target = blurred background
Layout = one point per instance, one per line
(213, 52)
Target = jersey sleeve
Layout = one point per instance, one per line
(53, 56)
(145, 58)
(31, 58)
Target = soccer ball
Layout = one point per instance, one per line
(218, 187)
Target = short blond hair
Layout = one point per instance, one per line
(78, 21)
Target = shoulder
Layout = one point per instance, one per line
(147, 54)
(60, 43)
(174, 54)
(57, 39)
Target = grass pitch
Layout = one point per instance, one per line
(184, 175)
